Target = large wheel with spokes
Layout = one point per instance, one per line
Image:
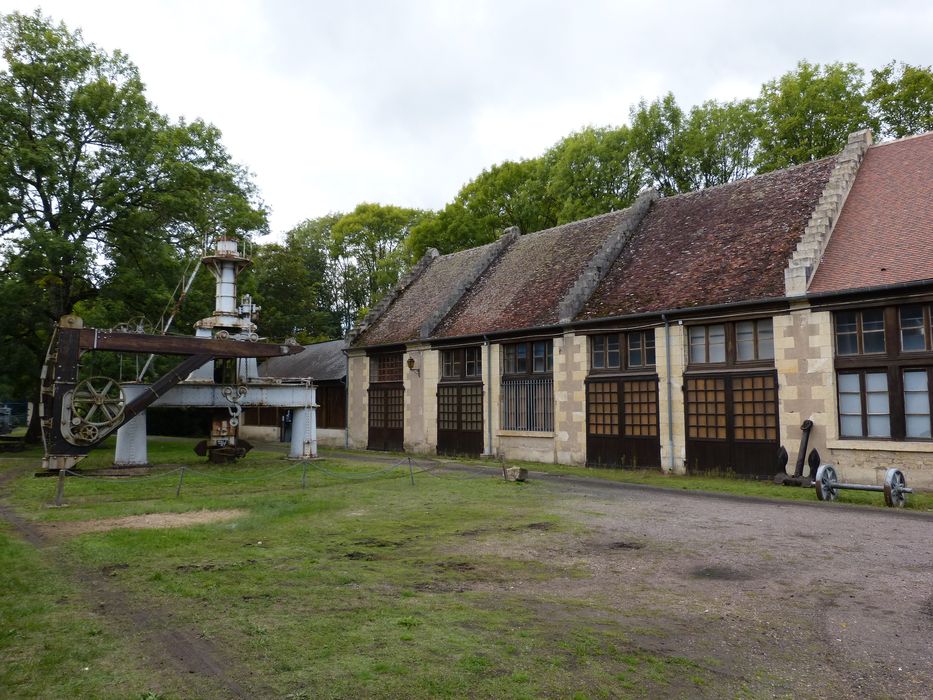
(98, 402)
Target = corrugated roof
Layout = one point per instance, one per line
(720, 245)
(885, 232)
(524, 286)
(321, 362)
(402, 321)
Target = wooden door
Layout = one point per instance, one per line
(732, 423)
(622, 423)
(460, 419)
(386, 417)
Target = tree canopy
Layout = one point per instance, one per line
(104, 202)
(96, 186)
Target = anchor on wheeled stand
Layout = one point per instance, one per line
(813, 461)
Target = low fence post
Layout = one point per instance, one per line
(181, 479)
(60, 490)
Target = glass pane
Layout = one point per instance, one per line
(847, 344)
(912, 330)
(879, 426)
(717, 343)
(613, 359)
(876, 381)
(634, 350)
(521, 358)
(918, 426)
(745, 340)
(538, 350)
(698, 344)
(877, 403)
(599, 351)
(846, 333)
(873, 331)
(873, 342)
(915, 380)
(873, 320)
(916, 402)
(912, 339)
(849, 382)
(850, 403)
(851, 426)
(649, 348)
(549, 355)
(846, 322)
(765, 339)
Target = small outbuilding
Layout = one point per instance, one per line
(325, 365)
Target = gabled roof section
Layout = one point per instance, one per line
(321, 362)
(720, 245)
(417, 307)
(885, 232)
(535, 280)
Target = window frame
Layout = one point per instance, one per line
(525, 350)
(894, 362)
(730, 339)
(383, 366)
(462, 358)
(624, 346)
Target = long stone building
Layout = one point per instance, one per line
(692, 333)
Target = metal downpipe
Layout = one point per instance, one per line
(670, 390)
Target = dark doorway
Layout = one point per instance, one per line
(732, 423)
(622, 423)
(386, 418)
(386, 403)
(459, 419)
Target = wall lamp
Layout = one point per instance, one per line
(411, 366)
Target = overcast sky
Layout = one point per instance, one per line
(403, 101)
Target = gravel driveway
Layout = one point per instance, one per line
(783, 599)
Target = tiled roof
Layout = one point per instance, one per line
(320, 362)
(402, 321)
(524, 286)
(885, 232)
(720, 245)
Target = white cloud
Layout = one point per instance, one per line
(332, 104)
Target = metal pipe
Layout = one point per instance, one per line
(488, 393)
(861, 487)
(171, 318)
(670, 390)
(346, 399)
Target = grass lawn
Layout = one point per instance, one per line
(356, 586)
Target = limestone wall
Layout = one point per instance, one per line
(357, 399)
(675, 407)
(803, 352)
(421, 398)
(571, 362)
(803, 356)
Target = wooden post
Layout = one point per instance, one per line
(60, 491)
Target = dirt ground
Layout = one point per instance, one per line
(149, 521)
(808, 600)
(811, 600)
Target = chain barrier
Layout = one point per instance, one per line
(304, 466)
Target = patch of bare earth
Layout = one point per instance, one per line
(170, 646)
(149, 521)
(778, 600)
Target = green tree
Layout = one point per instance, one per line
(659, 138)
(720, 142)
(901, 97)
(508, 194)
(370, 239)
(293, 284)
(92, 176)
(808, 113)
(592, 172)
